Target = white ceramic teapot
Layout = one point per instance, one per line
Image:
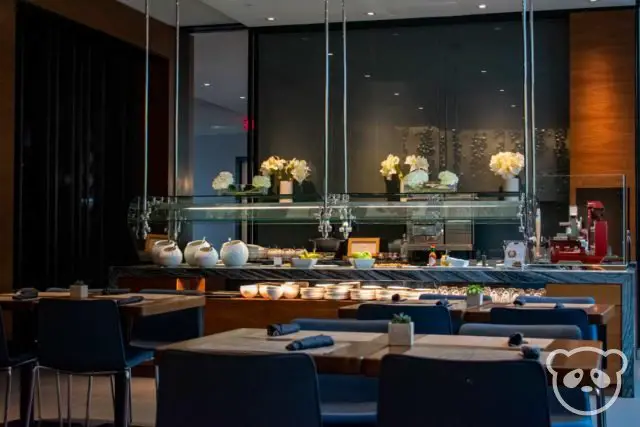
(234, 253)
(192, 249)
(170, 256)
(206, 257)
(157, 248)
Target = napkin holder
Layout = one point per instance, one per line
(79, 291)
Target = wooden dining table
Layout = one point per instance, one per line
(457, 308)
(360, 353)
(151, 305)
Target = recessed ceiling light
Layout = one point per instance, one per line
(271, 19)
(483, 71)
(482, 6)
(367, 76)
(420, 108)
(501, 90)
(330, 53)
(206, 84)
(371, 13)
(513, 105)
(396, 94)
(593, 1)
(243, 97)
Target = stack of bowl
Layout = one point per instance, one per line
(291, 290)
(363, 294)
(337, 293)
(249, 291)
(316, 292)
(264, 287)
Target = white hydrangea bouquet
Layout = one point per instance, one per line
(286, 170)
(224, 184)
(507, 164)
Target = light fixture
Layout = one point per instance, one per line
(330, 53)
(513, 105)
(371, 13)
(367, 76)
(483, 71)
(396, 94)
(482, 6)
(271, 19)
(420, 108)
(243, 97)
(501, 90)
(593, 1)
(206, 84)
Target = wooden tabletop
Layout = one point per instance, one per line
(457, 307)
(599, 314)
(152, 304)
(362, 353)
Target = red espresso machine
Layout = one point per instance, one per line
(589, 245)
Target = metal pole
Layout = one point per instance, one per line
(146, 108)
(527, 139)
(533, 97)
(326, 104)
(176, 118)
(344, 96)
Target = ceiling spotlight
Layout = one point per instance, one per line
(396, 94)
(371, 13)
(513, 105)
(593, 1)
(420, 108)
(501, 90)
(330, 53)
(271, 19)
(367, 76)
(243, 97)
(482, 6)
(206, 84)
(483, 71)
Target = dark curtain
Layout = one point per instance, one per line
(79, 150)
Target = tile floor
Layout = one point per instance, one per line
(624, 413)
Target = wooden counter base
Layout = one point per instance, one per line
(233, 313)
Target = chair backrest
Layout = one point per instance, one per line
(427, 319)
(343, 325)
(552, 316)
(170, 327)
(431, 297)
(553, 300)
(568, 332)
(80, 335)
(5, 359)
(199, 389)
(458, 393)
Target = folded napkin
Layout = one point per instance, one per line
(559, 305)
(115, 291)
(131, 300)
(516, 340)
(519, 302)
(310, 342)
(531, 352)
(443, 302)
(279, 329)
(25, 294)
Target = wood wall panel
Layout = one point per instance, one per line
(7, 73)
(602, 96)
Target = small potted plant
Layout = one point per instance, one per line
(401, 330)
(475, 294)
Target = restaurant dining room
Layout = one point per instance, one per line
(319, 213)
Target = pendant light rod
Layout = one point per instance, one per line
(532, 53)
(527, 138)
(326, 103)
(176, 119)
(146, 108)
(345, 97)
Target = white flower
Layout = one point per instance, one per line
(390, 167)
(223, 181)
(261, 181)
(273, 165)
(506, 164)
(417, 178)
(447, 178)
(417, 162)
(299, 170)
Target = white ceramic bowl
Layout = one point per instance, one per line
(234, 253)
(206, 257)
(274, 292)
(291, 290)
(170, 256)
(312, 293)
(157, 248)
(249, 291)
(362, 264)
(192, 249)
(303, 263)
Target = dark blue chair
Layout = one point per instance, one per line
(85, 337)
(152, 332)
(347, 399)
(560, 417)
(427, 319)
(415, 392)
(551, 316)
(451, 297)
(229, 390)
(565, 300)
(11, 358)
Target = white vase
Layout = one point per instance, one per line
(401, 334)
(511, 185)
(475, 300)
(234, 253)
(206, 257)
(192, 249)
(286, 188)
(157, 248)
(170, 256)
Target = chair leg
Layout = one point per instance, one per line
(39, 391)
(113, 391)
(130, 392)
(7, 397)
(88, 415)
(59, 393)
(157, 379)
(69, 390)
(36, 370)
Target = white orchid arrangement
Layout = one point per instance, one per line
(449, 179)
(390, 167)
(223, 181)
(274, 165)
(416, 179)
(299, 170)
(417, 163)
(261, 181)
(286, 170)
(506, 164)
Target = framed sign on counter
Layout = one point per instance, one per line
(363, 244)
